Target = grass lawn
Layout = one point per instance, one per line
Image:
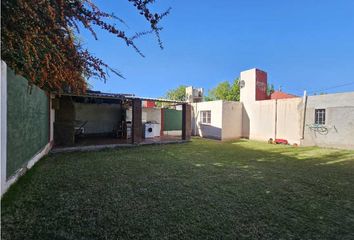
(200, 190)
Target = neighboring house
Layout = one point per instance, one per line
(324, 120)
(281, 95)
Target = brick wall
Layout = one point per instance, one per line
(137, 127)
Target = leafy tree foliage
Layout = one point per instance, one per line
(225, 91)
(270, 89)
(38, 39)
(178, 93)
(230, 92)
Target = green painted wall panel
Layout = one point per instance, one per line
(172, 119)
(27, 121)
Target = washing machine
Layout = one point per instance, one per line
(149, 130)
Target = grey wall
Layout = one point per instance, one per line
(102, 118)
(339, 121)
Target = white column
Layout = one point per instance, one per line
(3, 125)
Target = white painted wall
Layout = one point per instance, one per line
(226, 120)
(248, 92)
(339, 121)
(213, 130)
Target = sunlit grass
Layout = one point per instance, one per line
(205, 189)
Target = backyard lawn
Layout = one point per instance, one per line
(204, 189)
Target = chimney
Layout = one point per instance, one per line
(253, 85)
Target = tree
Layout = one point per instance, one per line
(178, 93)
(38, 39)
(225, 91)
(270, 89)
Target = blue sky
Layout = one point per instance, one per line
(300, 44)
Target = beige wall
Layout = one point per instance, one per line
(289, 119)
(339, 121)
(259, 120)
(231, 120)
(267, 119)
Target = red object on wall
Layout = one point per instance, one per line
(261, 85)
(149, 104)
(281, 141)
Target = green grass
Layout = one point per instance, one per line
(200, 190)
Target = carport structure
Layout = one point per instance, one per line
(108, 120)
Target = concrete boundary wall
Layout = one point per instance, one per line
(267, 119)
(232, 120)
(338, 130)
(292, 119)
(289, 119)
(258, 120)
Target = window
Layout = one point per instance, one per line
(205, 117)
(320, 116)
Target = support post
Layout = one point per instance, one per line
(3, 127)
(186, 121)
(304, 115)
(137, 126)
(162, 121)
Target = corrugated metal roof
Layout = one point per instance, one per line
(122, 96)
(155, 99)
